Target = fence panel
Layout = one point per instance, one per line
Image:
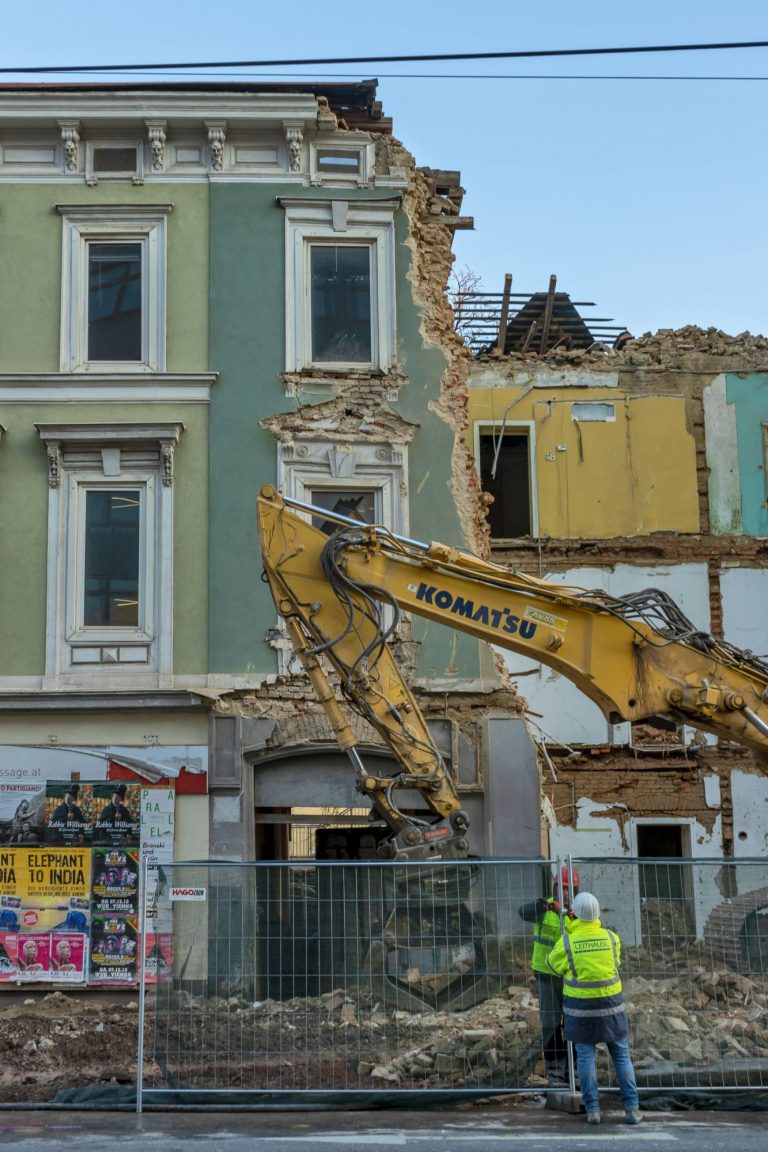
(293, 979)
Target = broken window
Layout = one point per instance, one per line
(356, 505)
(505, 474)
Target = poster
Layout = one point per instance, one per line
(8, 951)
(115, 882)
(68, 953)
(33, 956)
(68, 813)
(114, 942)
(22, 812)
(45, 889)
(116, 813)
(158, 957)
(157, 809)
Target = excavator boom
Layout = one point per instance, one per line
(636, 657)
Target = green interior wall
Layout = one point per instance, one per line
(749, 394)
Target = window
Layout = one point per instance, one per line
(110, 548)
(113, 162)
(360, 480)
(340, 303)
(505, 473)
(662, 842)
(352, 162)
(593, 410)
(356, 505)
(340, 289)
(111, 561)
(113, 288)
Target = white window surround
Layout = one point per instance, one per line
(335, 222)
(134, 173)
(308, 464)
(498, 428)
(86, 457)
(358, 145)
(86, 223)
(304, 466)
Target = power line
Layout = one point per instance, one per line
(521, 55)
(468, 76)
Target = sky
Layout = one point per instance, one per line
(645, 196)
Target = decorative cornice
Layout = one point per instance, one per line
(252, 110)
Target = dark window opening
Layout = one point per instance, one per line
(114, 160)
(114, 301)
(341, 304)
(357, 505)
(343, 163)
(509, 515)
(112, 549)
(661, 880)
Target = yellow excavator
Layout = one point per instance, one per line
(341, 595)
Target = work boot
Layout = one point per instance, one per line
(594, 1117)
(633, 1117)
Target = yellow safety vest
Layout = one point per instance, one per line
(546, 933)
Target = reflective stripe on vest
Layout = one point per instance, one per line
(612, 1010)
(574, 982)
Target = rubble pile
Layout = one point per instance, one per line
(61, 1041)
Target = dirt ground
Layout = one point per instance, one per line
(62, 1041)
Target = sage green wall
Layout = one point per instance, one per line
(248, 350)
(30, 255)
(24, 530)
(30, 320)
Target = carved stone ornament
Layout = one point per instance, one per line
(70, 137)
(156, 136)
(54, 465)
(216, 139)
(294, 136)
(167, 456)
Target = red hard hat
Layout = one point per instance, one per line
(565, 877)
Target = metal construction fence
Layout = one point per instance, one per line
(294, 980)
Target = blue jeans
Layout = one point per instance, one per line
(625, 1074)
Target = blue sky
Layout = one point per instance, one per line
(648, 197)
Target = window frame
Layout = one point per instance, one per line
(513, 427)
(76, 630)
(360, 223)
(109, 456)
(83, 225)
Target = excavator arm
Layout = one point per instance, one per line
(636, 657)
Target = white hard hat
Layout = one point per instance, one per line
(586, 907)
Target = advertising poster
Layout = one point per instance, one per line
(157, 809)
(158, 957)
(68, 952)
(8, 967)
(116, 813)
(33, 956)
(113, 950)
(68, 813)
(115, 882)
(45, 889)
(22, 813)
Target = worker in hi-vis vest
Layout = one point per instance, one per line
(588, 957)
(544, 914)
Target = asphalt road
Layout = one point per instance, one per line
(495, 1129)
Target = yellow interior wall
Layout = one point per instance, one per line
(630, 477)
